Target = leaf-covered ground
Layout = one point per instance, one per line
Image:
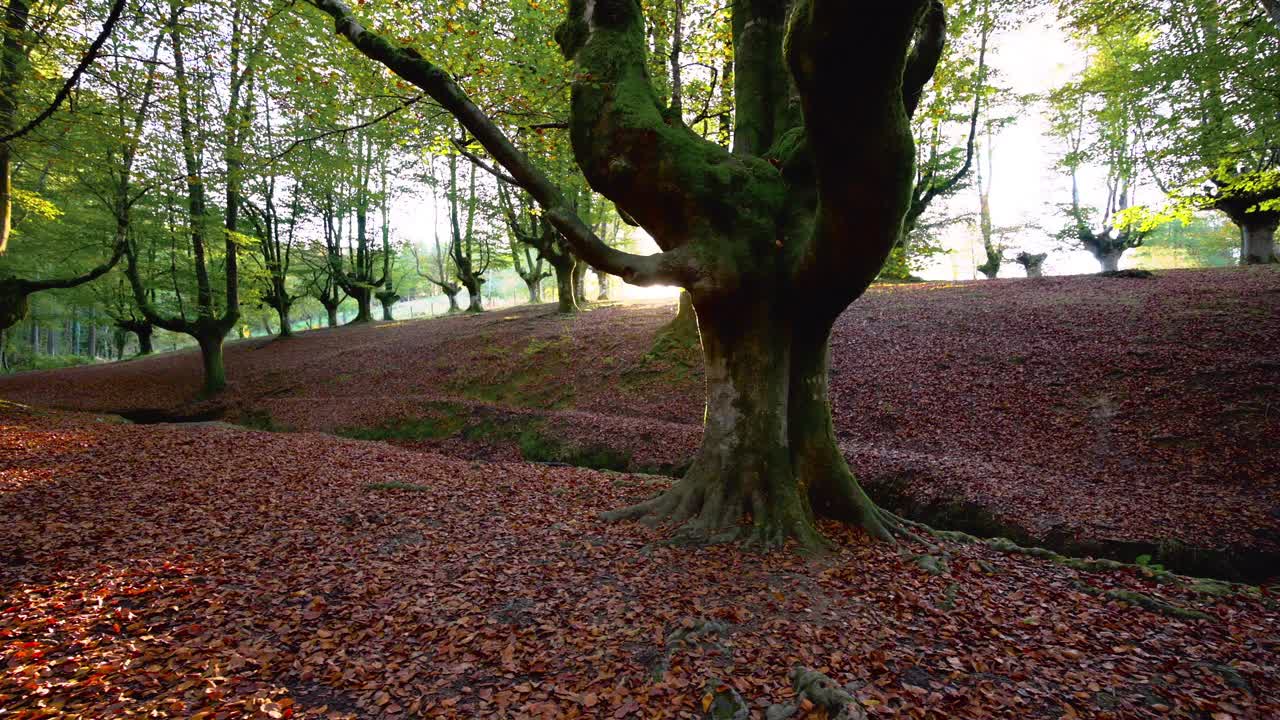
(204, 570)
(1113, 415)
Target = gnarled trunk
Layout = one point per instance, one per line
(1110, 261)
(474, 304)
(143, 332)
(534, 284)
(453, 302)
(364, 305)
(769, 449)
(331, 314)
(1258, 239)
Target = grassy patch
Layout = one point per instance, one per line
(443, 420)
(259, 419)
(537, 446)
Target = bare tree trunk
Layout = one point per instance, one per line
(579, 282)
(567, 302)
(602, 278)
(1258, 239)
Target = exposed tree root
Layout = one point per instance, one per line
(707, 512)
(811, 685)
(1146, 601)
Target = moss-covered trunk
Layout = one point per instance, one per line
(1258, 239)
(453, 302)
(815, 454)
(744, 466)
(215, 374)
(534, 284)
(331, 314)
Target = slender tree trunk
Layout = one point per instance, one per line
(603, 279)
(1258, 239)
(331, 314)
(386, 310)
(534, 283)
(453, 302)
(566, 302)
(580, 282)
(215, 374)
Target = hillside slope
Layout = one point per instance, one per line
(1119, 417)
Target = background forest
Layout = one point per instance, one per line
(260, 177)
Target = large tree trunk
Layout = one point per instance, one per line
(1258, 239)
(282, 312)
(387, 304)
(215, 374)
(769, 450)
(1110, 261)
(144, 338)
(331, 314)
(564, 289)
(474, 300)
(743, 466)
(819, 463)
(534, 283)
(364, 305)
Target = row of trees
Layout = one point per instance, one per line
(1176, 100)
(222, 167)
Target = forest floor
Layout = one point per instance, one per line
(1114, 417)
(205, 570)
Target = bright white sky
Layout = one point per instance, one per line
(1026, 185)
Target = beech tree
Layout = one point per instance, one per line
(772, 238)
(1032, 263)
(215, 313)
(17, 95)
(1200, 81)
(1098, 128)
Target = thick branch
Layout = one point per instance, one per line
(91, 275)
(410, 65)
(89, 56)
(925, 56)
(864, 186)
